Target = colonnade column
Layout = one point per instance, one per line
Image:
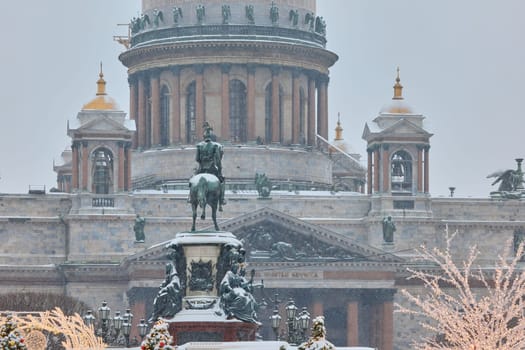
(295, 105)
(127, 179)
(275, 104)
(155, 107)
(369, 151)
(225, 101)
(420, 168)
(175, 104)
(311, 109)
(386, 168)
(120, 166)
(250, 101)
(387, 333)
(322, 106)
(141, 115)
(376, 169)
(427, 149)
(199, 101)
(132, 81)
(74, 162)
(352, 323)
(84, 166)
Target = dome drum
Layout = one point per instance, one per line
(293, 21)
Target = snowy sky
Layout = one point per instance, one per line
(462, 66)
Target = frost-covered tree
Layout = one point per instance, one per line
(10, 336)
(468, 307)
(158, 338)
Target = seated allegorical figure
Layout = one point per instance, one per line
(236, 298)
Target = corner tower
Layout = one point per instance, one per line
(101, 146)
(257, 71)
(398, 154)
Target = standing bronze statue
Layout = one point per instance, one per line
(138, 228)
(388, 229)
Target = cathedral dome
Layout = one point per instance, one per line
(101, 102)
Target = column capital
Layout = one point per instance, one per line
(251, 68)
(84, 144)
(198, 68)
(225, 68)
(385, 295)
(132, 79)
(420, 147)
(175, 70)
(275, 69)
(312, 74)
(385, 146)
(75, 144)
(154, 73)
(296, 72)
(426, 148)
(323, 79)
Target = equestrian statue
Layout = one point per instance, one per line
(207, 185)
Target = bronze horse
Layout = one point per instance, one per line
(205, 190)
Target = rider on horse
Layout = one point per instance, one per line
(209, 157)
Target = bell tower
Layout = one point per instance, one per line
(101, 146)
(398, 156)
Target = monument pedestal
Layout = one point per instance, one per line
(205, 326)
(206, 256)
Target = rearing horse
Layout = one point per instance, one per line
(204, 189)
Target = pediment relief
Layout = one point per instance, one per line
(102, 123)
(270, 235)
(405, 127)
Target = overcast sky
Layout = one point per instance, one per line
(462, 66)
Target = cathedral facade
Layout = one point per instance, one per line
(258, 73)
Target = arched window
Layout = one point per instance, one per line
(102, 171)
(164, 116)
(302, 116)
(268, 113)
(191, 104)
(238, 111)
(401, 172)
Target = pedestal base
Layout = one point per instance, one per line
(185, 332)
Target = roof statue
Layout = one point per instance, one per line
(510, 182)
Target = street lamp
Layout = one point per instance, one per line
(89, 319)
(297, 324)
(126, 326)
(275, 321)
(126, 329)
(108, 328)
(103, 314)
(143, 329)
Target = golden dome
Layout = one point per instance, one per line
(398, 104)
(102, 101)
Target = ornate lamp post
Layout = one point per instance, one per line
(108, 328)
(89, 319)
(296, 324)
(143, 329)
(103, 314)
(126, 329)
(126, 326)
(275, 321)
